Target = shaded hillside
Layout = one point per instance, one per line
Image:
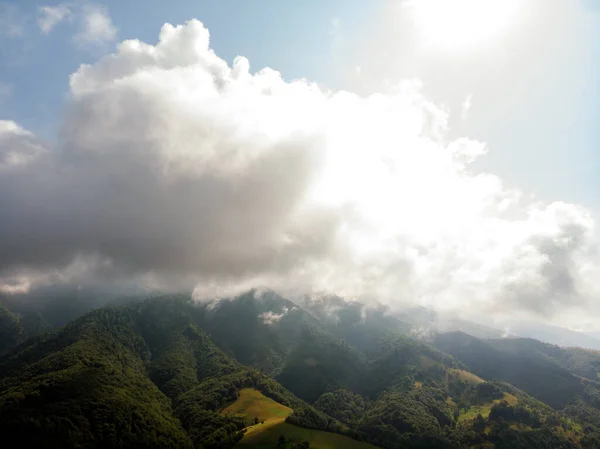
(530, 370)
(270, 333)
(425, 323)
(258, 328)
(12, 332)
(359, 325)
(319, 364)
(50, 308)
(554, 335)
(581, 362)
(391, 390)
(144, 376)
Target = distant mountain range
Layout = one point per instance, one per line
(426, 321)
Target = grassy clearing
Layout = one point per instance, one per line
(465, 376)
(472, 412)
(512, 400)
(485, 409)
(266, 437)
(252, 403)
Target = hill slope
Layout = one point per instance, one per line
(389, 389)
(143, 375)
(150, 375)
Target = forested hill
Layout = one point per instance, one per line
(138, 376)
(261, 371)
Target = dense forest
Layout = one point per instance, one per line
(261, 371)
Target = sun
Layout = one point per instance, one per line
(460, 24)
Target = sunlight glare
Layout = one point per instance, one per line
(458, 24)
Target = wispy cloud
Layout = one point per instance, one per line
(270, 317)
(14, 42)
(97, 27)
(12, 21)
(50, 16)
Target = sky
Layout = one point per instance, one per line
(412, 151)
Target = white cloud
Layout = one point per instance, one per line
(270, 317)
(17, 145)
(50, 16)
(97, 27)
(14, 286)
(177, 168)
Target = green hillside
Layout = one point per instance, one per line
(144, 375)
(398, 392)
(86, 387)
(238, 327)
(533, 372)
(168, 372)
(266, 419)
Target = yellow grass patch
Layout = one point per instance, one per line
(465, 376)
(266, 437)
(252, 403)
(485, 409)
(512, 400)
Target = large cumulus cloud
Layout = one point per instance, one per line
(174, 168)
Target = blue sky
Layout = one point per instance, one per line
(449, 157)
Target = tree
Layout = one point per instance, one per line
(479, 425)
